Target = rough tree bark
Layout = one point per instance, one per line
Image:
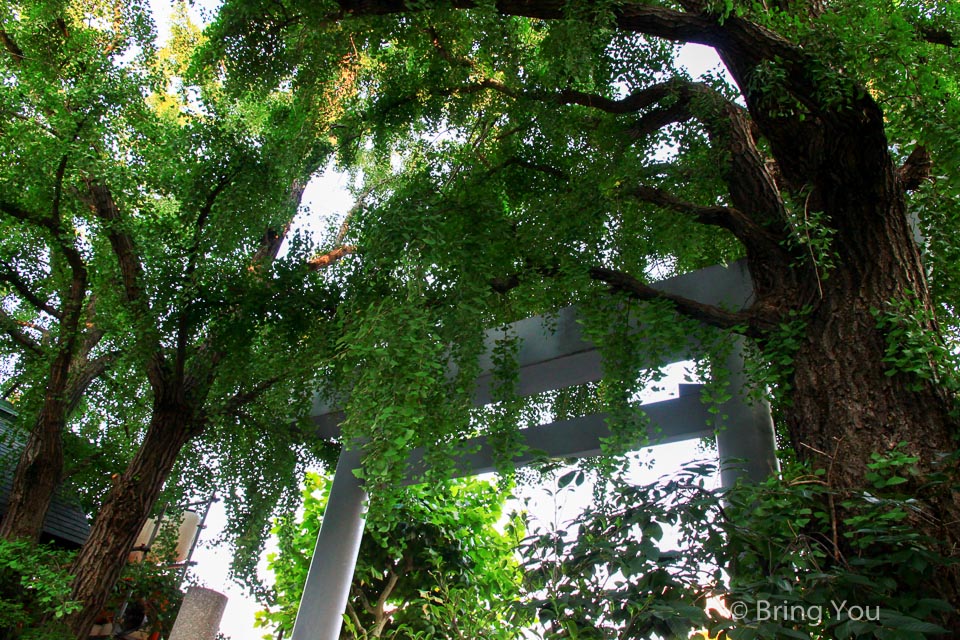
(40, 466)
(127, 506)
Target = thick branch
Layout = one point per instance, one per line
(11, 46)
(753, 188)
(636, 101)
(915, 169)
(656, 119)
(101, 202)
(934, 35)
(272, 240)
(651, 20)
(105, 208)
(83, 377)
(742, 322)
(16, 211)
(326, 259)
(11, 328)
(11, 276)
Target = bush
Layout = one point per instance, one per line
(34, 590)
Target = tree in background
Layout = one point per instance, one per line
(546, 153)
(161, 202)
(440, 569)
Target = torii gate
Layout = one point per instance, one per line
(548, 360)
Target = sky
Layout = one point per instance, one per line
(327, 198)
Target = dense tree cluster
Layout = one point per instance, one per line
(513, 156)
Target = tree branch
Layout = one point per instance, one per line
(505, 284)
(748, 323)
(716, 216)
(915, 169)
(651, 20)
(657, 119)
(516, 161)
(364, 601)
(752, 187)
(193, 253)
(11, 328)
(100, 200)
(102, 204)
(16, 211)
(81, 378)
(326, 259)
(356, 620)
(240, 399)
(11, 46)
(9, 275)
(636, 101)
(935, 35)
(380, 615)
(58, 188)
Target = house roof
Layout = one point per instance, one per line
(65, 521)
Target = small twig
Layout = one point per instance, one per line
(806, 231)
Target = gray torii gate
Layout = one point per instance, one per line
(548, 359)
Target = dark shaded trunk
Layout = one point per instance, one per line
(126, 508)
(38, 472)
(846, 402)
(40, 467)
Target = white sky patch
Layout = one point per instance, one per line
(698, 60)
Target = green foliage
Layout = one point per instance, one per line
(490, 186)
(915, 348)
(34, 590)
(200, 179)
(771, 363)
(755, 561)
(441, 568)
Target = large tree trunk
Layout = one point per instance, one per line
(40, 468)
(845, 403)
(38, 472)
(126, 508)
(845, 406)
